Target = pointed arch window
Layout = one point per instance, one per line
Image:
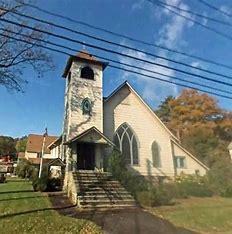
(87, 73)
(156, 160)
(125, 139)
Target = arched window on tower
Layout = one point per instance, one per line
(87, 73)
(125, 139)
(156, 160)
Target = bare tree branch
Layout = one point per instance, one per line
(18, 56)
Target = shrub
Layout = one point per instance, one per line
(219, 178)
(143, 190)
(25, 169)
(192, 185)
(54, 184)
(40, 184)
(157, 196)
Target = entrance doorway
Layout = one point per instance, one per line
(85, 156)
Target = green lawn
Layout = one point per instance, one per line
(18, 196)
(204, 215)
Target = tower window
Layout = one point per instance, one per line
(87, 73)
(86, 106)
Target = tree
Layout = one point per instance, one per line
(21, 144)
(16, 55)
(164, 110)
(201, 125)
(7, 146)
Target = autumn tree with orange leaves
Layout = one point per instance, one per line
(201, 125)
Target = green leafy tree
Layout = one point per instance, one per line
(7, 146)
(164, 109)
(21, 144)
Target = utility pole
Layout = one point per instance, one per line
(42, 152)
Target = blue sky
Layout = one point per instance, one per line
(42, 103)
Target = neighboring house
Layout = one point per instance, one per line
(6, 164)
(94, 125)
(230, 149)
(34, 147)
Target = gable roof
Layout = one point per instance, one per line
(35, 143)
(230, 146)
(126, 84)
(189, 154)
(90, 132)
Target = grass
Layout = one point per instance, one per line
(204, 215)
(18, 197)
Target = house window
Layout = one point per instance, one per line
(180, 162)
(125, 139)
(156, 160)
(87, 73)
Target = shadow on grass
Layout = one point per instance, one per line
(35, 210)
(19, 198)
(17, 191)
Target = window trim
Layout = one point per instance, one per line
(153, 164)
(177, 162)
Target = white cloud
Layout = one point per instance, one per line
(170, 35)
(226, 9)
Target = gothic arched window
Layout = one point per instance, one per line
(87, 73)
(156, 160)
(125, 139)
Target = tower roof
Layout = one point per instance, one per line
(83, 56)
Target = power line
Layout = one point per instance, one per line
(121, 63)
(120, 45)
(124, 69)
(196, 14)
(127, 37)
(215, 8)
(165, 6)
(118, 53)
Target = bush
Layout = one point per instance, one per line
(157, 196)
(54, 184)
(40, 184)
(143, 190)
(25, 169)
(192, 185)
(219, 178)
(2, 178)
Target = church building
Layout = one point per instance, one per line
(93, 126)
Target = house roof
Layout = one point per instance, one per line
(35, 143)
(83, 56)
(91, 135)
(193, 157)
(55, 143)
(49, 161)
(230, 146)
(126, 83)
(21, 155)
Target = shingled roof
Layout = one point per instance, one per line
(35, 142)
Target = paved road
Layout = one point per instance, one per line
(125, 221)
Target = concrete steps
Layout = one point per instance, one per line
(100, 190)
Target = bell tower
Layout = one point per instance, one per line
(83, 94)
